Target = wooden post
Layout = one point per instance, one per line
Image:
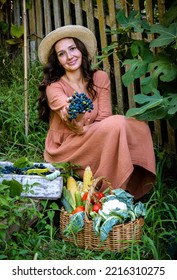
(25, 68)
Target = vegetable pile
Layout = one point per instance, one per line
(106, 209)
(79, 104)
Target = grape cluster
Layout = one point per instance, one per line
(79, 103)
(10, 169)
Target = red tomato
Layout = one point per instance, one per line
(84, 197)
(79, 209)
(97, 196)
(96, 207)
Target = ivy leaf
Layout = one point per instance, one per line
(133, 21)
(137, 69)
(167, 34)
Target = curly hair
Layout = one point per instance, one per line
(53, 71)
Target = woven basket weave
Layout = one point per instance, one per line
(120, 237)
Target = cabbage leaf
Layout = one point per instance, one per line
(75, 224)
(107, 227)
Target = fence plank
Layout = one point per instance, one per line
(171, 139)
(57, 13)
(17, 12)
(32, 23)
(161, 9)
(89, 13)
(116, 63)
(102, 26)
(39, 23)
(32, 33)
(66, 12)
(78, 12)
(47, 16)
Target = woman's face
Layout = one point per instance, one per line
(68, 54)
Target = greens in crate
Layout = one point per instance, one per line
(117, 208)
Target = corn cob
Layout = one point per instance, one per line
(87, 179)
(72, 187)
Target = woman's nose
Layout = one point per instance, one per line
(69, 55)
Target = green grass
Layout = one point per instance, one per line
(41, 241)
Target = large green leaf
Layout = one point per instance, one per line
(137, 69)
(155, 107)
(149, 84)
(140, 48)
(146, 114)
(163, 68)
(107, 227)
(150, 103)
(15, 187)
(22, 162)
(172, 104)
(133, 21)
(167, 35)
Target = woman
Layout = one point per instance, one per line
(113, 146)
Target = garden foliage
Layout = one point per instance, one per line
(151, 59)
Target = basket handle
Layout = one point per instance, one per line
(91, 192)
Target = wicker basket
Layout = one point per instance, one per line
(120, 237)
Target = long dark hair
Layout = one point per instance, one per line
(53, 71)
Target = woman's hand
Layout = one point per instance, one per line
(76, 125)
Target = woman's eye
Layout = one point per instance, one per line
(73, 48)
(60, 54)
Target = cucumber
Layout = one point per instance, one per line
(67, 206)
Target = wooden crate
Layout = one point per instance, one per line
(35, 186)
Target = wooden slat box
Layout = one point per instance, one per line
(40, 188)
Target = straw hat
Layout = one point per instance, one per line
(77, 31)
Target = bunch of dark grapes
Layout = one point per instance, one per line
(80, 103)
(10, 169)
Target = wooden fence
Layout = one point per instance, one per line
(46, 15)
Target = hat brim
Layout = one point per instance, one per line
(76, 31)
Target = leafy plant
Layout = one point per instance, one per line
(15, 211)
(155, 69)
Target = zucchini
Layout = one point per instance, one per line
(67, 206)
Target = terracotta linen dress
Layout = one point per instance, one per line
(112, 145)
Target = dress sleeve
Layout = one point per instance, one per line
(56, 96)
(102, 82)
